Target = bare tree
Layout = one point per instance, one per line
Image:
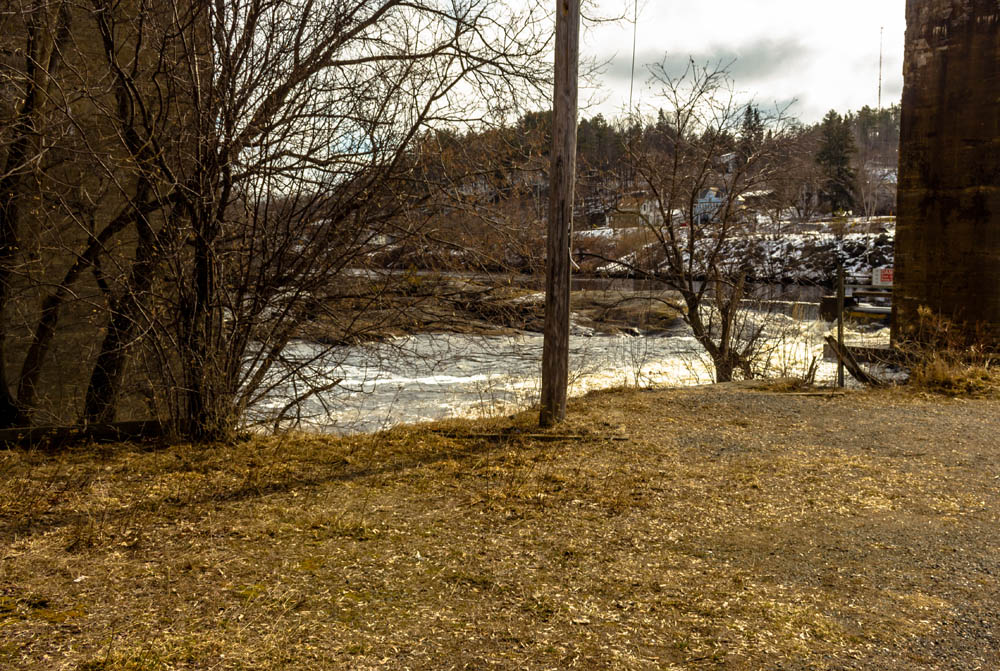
(694, 166)
(252, 155)
(876, 135)
(797, 186)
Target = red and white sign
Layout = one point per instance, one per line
(882, 277)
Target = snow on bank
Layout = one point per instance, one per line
(809, 257)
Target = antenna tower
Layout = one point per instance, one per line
(631, 111)
(881, 46)
(635, 32)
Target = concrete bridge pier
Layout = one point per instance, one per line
(948, 231)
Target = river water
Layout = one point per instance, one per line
(436, 376)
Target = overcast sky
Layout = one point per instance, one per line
(824, 55)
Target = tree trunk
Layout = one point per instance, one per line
(205, 420)
(8, 409)
(41, 62)
(104, 390)
(10, 187)
(10, 414)
(724, 370)
(27, 386)
(48, 322)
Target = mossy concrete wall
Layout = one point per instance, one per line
(948, 233)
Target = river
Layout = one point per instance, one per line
(436, 376)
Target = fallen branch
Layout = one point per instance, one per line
(540, 437)
(845, 357)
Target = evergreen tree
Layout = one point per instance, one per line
(751, 133)
(836, 149)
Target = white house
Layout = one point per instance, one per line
(711, 201)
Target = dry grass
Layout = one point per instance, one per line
(944, 358)
(735, 528)
(954, 375)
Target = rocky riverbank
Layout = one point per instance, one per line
(449, 304)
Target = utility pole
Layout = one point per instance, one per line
(562, 178)
(840, 322)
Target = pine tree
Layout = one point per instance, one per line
(836, 148)
(751, 133)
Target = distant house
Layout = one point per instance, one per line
(713, 200)
(638, 208)
(709, 204)
(729, 162)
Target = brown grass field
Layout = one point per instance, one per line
(733, 527)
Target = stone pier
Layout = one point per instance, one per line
(948, 234)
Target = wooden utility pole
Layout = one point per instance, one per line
(562, 178)
(840, 322)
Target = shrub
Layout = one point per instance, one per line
(944, 358)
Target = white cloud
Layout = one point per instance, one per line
(826, 55)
